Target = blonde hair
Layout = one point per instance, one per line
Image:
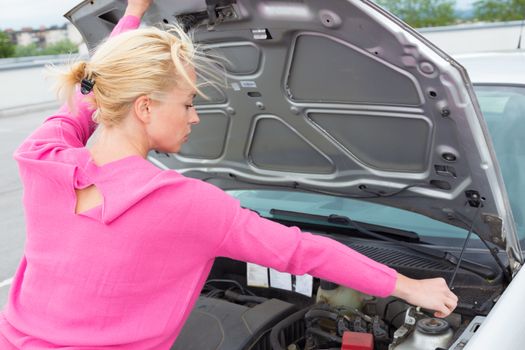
(146, 61)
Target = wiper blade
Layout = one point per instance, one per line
(341, 220)
(474, 267)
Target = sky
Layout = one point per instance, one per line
(16, 14)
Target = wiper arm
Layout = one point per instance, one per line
(474, 267)
(341, 220)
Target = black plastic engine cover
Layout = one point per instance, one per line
(218, 324)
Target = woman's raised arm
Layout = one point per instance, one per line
(72, 127)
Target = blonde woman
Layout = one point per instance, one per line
(118, 250)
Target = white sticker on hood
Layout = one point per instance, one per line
(280, 280)
(257, 275)
(304, 285)
(236, 87)
(248, 84)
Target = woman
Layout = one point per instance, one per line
(118, 250)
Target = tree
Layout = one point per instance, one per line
(60, 47)
(64, 46)
(422, 13)
(499, 10)
(27, 50)
(7, 48)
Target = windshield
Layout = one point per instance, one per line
(263, 201)
(503, 108)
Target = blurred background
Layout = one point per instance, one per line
(34, 33)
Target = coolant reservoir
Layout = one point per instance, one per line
(337, 296)
(430, 333)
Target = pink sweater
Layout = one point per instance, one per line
(126, 274)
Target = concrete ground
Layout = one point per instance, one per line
(13, 130)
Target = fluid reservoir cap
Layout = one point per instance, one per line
(432, 325)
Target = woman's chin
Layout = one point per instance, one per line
(174, 149)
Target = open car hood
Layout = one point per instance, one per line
(333, 96)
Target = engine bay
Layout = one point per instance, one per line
(232, 315)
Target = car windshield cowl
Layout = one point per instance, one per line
(484, 271)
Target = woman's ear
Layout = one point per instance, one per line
(142, 108)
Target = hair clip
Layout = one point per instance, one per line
(86, 86)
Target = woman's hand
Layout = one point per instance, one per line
(137, 7)
(432, 294)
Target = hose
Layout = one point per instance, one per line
(288, 321)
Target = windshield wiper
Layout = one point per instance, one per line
(474, 267)
(334, 219)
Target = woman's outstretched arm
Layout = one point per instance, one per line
(228, 230)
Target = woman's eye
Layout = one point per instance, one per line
(189, 106)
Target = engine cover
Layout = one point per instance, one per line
(218, 324)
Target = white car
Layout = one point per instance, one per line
(499, 82)
(342, 120)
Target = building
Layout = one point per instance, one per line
(43, 36)
(476, 37)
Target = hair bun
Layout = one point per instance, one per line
(86, 86)
(78, 71)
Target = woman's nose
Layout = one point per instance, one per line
(194, 117)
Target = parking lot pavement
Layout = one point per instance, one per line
(25, 86)
(13, 130)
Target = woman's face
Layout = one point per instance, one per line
(172, 118)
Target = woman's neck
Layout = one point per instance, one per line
(117, 142)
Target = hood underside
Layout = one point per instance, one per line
(337, 97)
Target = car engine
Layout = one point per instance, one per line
(229, 315)
(232, 320)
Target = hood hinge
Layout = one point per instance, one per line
(217, 10)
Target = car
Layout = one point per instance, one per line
(340, 119)
(499, 82)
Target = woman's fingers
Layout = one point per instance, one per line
(137, 7)
(446, 300)
(432, 294)
(440, 314)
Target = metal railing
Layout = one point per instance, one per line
(37, 61)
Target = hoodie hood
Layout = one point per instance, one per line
(119, 192)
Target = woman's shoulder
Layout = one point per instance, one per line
(136, 174)
(172, 179)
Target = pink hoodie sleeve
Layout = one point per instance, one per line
(255, 239)
(243, 235)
